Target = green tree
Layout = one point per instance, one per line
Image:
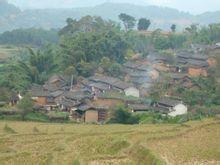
(25, 105)
(173, 28)
(122, 116)
(85, 69)
(5, 94)
(128, 21)
(115, 70)
(143, 24)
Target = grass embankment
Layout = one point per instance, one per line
(195, 142)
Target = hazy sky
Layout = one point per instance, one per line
(192, 6)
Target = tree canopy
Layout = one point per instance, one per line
(128, 21)
(143, 24)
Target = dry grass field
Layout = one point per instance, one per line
(7, 52)
(196, 142)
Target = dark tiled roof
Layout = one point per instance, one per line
(77, 95)
(196, 63)
(139, 107)
(100, 86)
(69, 103)
(132, 65)
(184, 55)
(178, 76)
(111, 81)
(90, 107)
(56, 78)
(38, 91)
(139, 74)
(169, 102)
(56, 93)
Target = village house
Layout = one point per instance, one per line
(114, 84)
(193, 65)
(92, 113)
(72, 99)
(39, 95)
(171, 107)
(50, 94)
(139, 108)
(158, 61)
(142, 75)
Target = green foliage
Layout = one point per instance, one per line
(11, 117)
(204, 35)
(128, 21)
(5, 94)
(14, 77)
(161, 42)
(173, 28)
(76, 162)
(85, 25)
(85, 69)
(36, 116)
(122, 116)
(96, 41)
(139, 43)
(58, 116)
(209, 95)
(9, 111)
(32, 36)
(25, 105)
(143, 24)
(115, 70)
(177, 41)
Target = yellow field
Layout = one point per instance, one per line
(7, 52)
(195, 142)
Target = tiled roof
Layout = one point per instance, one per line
(139, 107)
(169, 102)
(111, 81)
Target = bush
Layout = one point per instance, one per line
(11, 111)
(122, 116)
(37, 116)
(25, 105)
(58, 116)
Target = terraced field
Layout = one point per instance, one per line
(195, 142)
(7, 52)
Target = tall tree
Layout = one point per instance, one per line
(173, 28)
(25, 106)
(143, 24)
(128, 21)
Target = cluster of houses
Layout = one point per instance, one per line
(86, 101)
(93, 98)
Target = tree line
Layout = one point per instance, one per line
(85, 44)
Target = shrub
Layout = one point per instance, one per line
(25, 105)
(11, 111)
(58, 116)
(37, 116)
(122, 116)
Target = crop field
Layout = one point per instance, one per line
(196, 142)
(7, 52)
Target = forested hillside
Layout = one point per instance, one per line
(12, 18)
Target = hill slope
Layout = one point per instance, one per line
(11, 17)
